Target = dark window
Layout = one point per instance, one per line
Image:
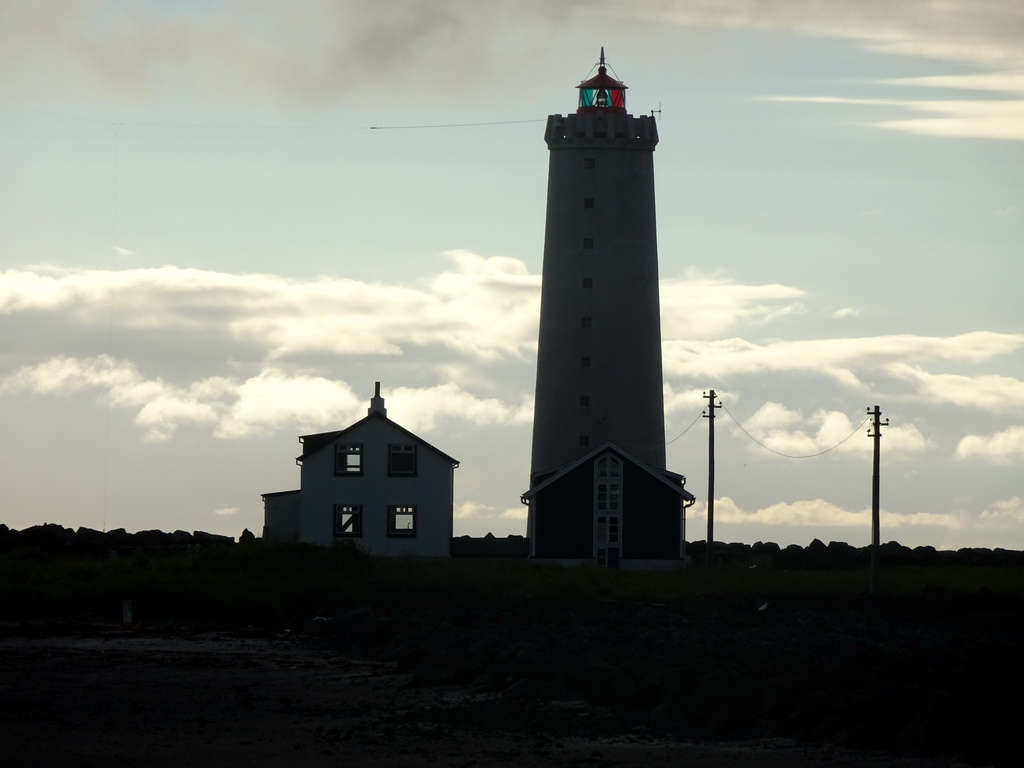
(348, 460)
(584, 322)
(348, 520)
(588, 202)
(584, 401)
(585, 362)
(402, 460)
(589, 163)
(401, 521)
(588, 282)
(584, 441)
(588, 243)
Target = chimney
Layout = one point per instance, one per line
(377, 402)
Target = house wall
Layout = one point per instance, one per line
(431, 491)
(651, 518)
(563, 518)
(281, 516)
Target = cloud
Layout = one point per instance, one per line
(477, 512)
(847, 361)
(1006, 447)
(845, 312)
(225, 511)
(823, 514)
(989, 393)
(248, 354)
(950, 118)
(235, 409)
(266, 52)
(791, 433)
(980, 32)
(698, 306)
(1005, 511)
(484, 308)
(254, 51)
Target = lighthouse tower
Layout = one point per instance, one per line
(599, 374)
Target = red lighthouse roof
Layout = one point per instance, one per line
(602, 93)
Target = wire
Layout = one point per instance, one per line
(788, 455)
(699, 415)
(269, 127)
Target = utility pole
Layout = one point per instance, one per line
(876, 435)
(710, 416)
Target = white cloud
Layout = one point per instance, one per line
(791, 433)
(848, 361)
(1003, 512)
(697, 306)
(275, 398)
(225, 511)
(990, 393)
(844, 312)
(233, 51)
(477, 512)
(485, 308)
(469, 330)
(1004, 447)
(271, 400)
(810, 513)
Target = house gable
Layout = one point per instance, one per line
(312, 444)
(579, 513)
(374, 483)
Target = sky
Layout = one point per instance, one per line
(221, 222)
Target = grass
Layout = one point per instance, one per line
(284, 585)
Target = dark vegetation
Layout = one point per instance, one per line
(758, 646)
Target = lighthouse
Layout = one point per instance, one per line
(599, 490)
(599, 375)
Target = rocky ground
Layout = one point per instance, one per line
(916, 682)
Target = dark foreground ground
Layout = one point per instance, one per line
(920, 681)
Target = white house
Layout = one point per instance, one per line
(374, 483)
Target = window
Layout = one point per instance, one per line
(348, 520)
(607, 529)
(585, 362)
(402, 460)
(584, 322)
(584, 441)
(588, 243)
(588, 202)
(608, 510)
(608, 472)
(584, 401)
(589, 163)
(348, 460)
(588, 282)
(401, 521)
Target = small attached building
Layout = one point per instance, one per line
(611, 509)
(374, 483)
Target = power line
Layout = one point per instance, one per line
(788, 455)
(695, 420)
(258, 126)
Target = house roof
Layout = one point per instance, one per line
(313, 443)
(673, 480)
(278, 493)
